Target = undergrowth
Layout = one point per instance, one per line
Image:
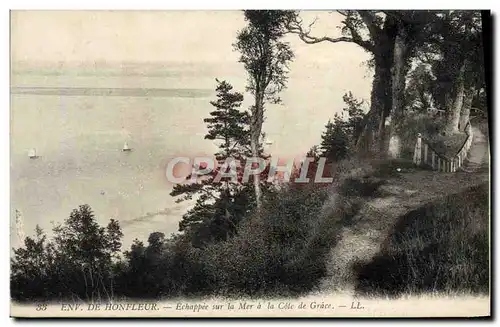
(440, 248)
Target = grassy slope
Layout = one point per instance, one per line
(383, 205)
(440, 247)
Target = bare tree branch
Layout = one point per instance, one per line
(294, 26)
(344, 13)
(350, 24)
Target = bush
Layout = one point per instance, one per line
(268, 256)
(411, 125)
(442, 247)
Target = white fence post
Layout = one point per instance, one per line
(417, 156)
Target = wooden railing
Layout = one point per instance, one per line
(426, 155)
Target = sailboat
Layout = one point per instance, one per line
(32, 154)
(126, 148)
(269, 141)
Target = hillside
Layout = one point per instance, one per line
(394, 198)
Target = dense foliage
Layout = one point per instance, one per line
(338, 141)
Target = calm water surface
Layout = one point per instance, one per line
(78, 122)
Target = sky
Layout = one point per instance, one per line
(152, 36)
(153, 42)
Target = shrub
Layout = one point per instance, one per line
(283, 250)
(442, 247)
(411, 125)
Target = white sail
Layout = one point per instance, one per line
(126, 147)
(32, 153)
(269, 141)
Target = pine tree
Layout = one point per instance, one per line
(355, 115)
(219, 206)
(339, 140)
(228, 124)
(334, 141)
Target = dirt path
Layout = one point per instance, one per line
(362, 240)
(478, 156)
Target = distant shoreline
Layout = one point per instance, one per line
(104, 91)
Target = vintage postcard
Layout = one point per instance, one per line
(251, 163)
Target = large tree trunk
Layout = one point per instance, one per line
(455, 101)
(367, 137)
(256, 178)
(467, 104)
(372, 137)
(392, 144)
(381, 99)
(255, 132)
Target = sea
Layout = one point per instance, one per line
(79, 117)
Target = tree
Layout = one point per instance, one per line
(77, 263)
(31, 268)
(131, 278)
(459, 72)
(86, 251)
(474, 73)
(352, 116)
(390, 37)
(220, 202)
(450, 71)
(339, 139)
(228, 124)
(379, 43)
(334, 141)
(420, 89)
(147, 269)
(265, 58)
(85, 241)
(113, 239)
